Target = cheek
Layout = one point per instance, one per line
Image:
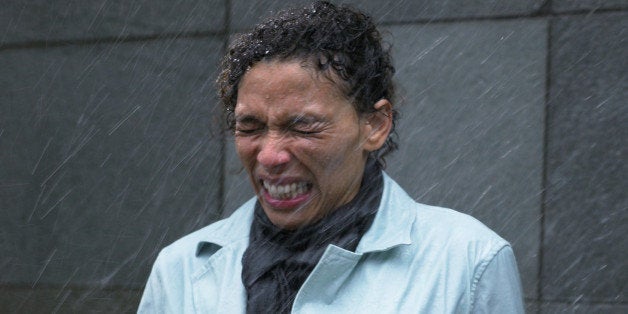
(331, 157)
(245, 149)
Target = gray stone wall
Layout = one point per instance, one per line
(515, 112)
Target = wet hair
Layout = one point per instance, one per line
(340, 42)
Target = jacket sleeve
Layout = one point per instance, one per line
(153, 296)
(498, 289)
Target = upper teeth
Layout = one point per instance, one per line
(286, 190)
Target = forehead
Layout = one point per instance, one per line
(286, 85)
(294, 71)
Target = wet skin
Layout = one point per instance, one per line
(301, 141)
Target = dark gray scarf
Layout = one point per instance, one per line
(277, 262)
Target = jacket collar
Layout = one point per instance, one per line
(391, 227)
(228, 231)
(393, 223)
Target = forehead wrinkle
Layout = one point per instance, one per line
(314, 76)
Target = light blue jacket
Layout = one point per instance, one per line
(414, 259)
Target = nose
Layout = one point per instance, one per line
(272, 154)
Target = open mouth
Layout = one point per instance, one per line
(286, 191)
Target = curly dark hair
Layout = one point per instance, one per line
(332, 39)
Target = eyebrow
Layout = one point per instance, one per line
(304, 119)
(247, 119)
(290, 121)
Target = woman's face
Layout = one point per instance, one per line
(300, 140)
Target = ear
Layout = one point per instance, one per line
(377, 125)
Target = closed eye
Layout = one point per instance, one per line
(248, 125)
(305, 126)
(246, 131)
(306, 132)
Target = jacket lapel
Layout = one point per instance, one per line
(219, 289)
(217, 285)
(328, 276)
(391, 227)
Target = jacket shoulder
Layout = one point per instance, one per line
(453, 223)
(443, 227)
(435, 221)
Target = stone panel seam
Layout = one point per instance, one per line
(541, 13)
(589, 11)
(107, 40)
(544, 178)
(223, 141)
(581, 303)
